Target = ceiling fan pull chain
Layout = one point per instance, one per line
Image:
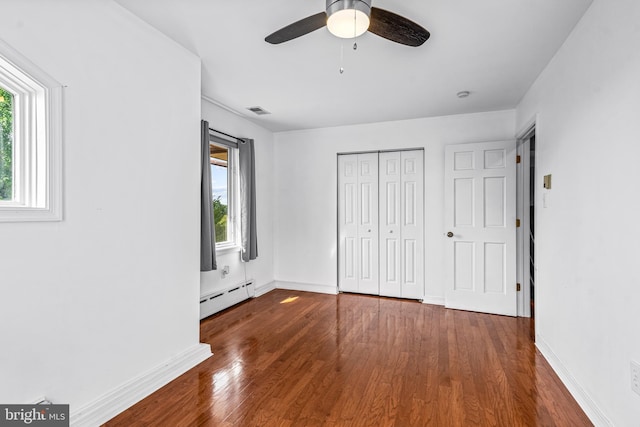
(355, 29)
(341, 58)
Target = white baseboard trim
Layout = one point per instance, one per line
(433, 300)
(112, 403)
(595, 414)
(264, 289)
(307, 287)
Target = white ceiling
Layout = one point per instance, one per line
(493, 48)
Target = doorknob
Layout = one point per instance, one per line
(449, 234)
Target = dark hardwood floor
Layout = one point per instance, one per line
(301, 359)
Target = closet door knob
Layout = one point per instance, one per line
(449, 234)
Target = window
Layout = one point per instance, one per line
(223, 156)
(6, 145)
(30, 141)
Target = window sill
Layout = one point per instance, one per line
(29, 214)
(227, 249)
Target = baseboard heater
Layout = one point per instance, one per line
(214, 302)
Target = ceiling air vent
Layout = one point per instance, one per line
(258, 110)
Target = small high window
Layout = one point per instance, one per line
(30, 141)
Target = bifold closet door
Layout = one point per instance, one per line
(401, 214)
(358, 223)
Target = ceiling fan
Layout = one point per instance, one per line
(352, 18)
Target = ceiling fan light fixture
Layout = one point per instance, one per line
(348, 18)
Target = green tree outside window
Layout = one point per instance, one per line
(220, 219)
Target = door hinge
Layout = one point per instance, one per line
(518, 287)
(518, 159)
(518, 222)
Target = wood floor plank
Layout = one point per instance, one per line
(301, 359)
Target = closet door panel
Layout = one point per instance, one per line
(367, 208)
(349, 262)
(412, 223)
(390, 224)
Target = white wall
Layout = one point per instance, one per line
(588, 283)
(260, 269)
(306, 189)
(111, 291)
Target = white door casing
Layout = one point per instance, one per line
(480, 217)
(523, 233)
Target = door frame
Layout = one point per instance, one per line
(523, 200)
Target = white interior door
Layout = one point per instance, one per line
(390, 224)
(347, 223)
(412, 224)
(402, 224)
(480, 221)
(358, 223)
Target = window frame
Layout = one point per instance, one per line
(37, 140)
(233, 208)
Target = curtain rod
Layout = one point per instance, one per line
(225, 134)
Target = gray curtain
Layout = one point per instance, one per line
(248, 227)
(207, 230)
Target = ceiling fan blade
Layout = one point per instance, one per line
(298, 28)
(396, 28)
